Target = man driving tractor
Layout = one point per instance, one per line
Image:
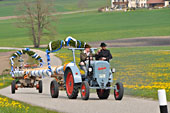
(84, 57)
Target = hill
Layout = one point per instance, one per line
(94, 26)
(8, 7)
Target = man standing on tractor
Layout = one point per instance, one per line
(104, 54)
(84, 57)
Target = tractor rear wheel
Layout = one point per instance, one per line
(71, 87)
(40, 86)
(103, 93)
(85, 90)
(118, 91)
(13, 86)
(54, 89)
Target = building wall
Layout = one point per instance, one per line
(132, 3)
(166, 3)
(137, 3)
(143, 3)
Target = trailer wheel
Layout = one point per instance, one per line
(118, 91)
(40, 86)
(54, 89)
(85, 90)
(103, 93)
(71, 87)
(13, 85)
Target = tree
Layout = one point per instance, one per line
(37, 17)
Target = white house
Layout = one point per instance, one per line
(128, 3)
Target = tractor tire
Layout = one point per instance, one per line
(71, 87)
(54, 89)
(85, 92)
(40, 86)
(118, 91)
(103, 93)
(13, 86)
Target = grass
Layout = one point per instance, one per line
(142, 70)
(8, 7)
(5, 50)
(5, 80)
(95, 26)
(8, 105)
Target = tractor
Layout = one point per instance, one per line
(99, 77)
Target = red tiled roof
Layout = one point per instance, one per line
(155, 1)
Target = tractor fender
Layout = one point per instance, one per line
(76, 74)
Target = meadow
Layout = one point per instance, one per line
(94, 26)
(142, 70)
(8, 7)
(8, 105)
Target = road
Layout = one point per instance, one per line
(93, 105)
(58, 13)
(136, 42)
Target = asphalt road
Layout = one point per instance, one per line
(136, 42)
(93, 105)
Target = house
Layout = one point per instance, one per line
(139, 3)
(119, 3)
(156, 3)
(128, 3)
(143, 3)
(167, 2)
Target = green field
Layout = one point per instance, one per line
(94, 26)
(8, 7)
(142, 70)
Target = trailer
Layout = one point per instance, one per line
(23, 75)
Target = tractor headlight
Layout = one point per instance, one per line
(90, 69)
(113, 70)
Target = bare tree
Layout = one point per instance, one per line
(37, 18)
(82, 4)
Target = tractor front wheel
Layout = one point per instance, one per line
(71, 87)
(85, 90)
(13, 86)
(118, 91)
(103, 93)
(54, 89)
